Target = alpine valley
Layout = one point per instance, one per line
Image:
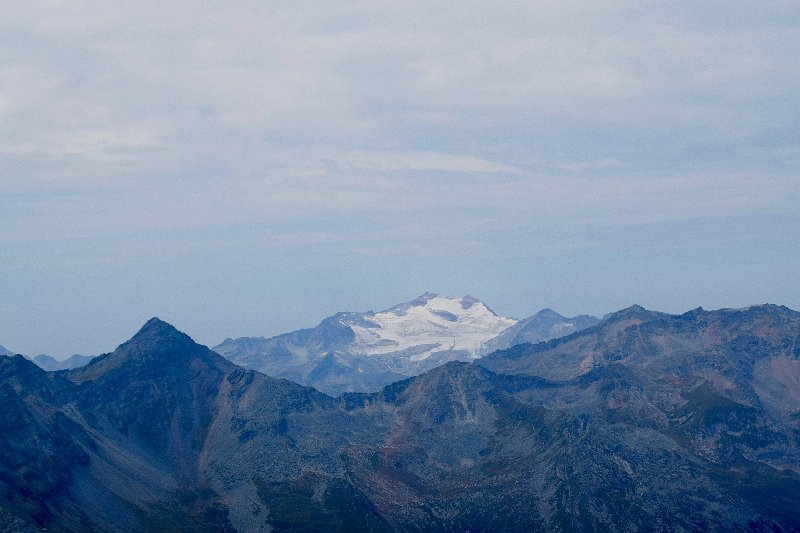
(639, 421)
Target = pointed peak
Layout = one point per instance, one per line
(18, 366)
(693, 312)
(440, 302)
(156, 324)
(16, 359)
(424, 298)
(635, 309)
(45, 362)
(634, 312)
(465, 302)
(468, 301)
(156, 345)
(420, 301)
(549, 313)
(156, 332)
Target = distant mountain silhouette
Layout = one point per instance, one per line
(543, 326)
(363, 352)
(49, 363)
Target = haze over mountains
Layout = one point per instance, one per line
(363, 352)
(47, 362)
(543, 326)
(643, 421)
(50, 363)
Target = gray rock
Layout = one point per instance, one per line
(672, 427)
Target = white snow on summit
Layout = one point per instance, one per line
(431, 323)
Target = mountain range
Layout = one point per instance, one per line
(642, 421)
(543, 326)
(47, 362)
(363, 352)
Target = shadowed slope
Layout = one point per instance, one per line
(164, 434)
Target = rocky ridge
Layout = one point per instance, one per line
(645, 421)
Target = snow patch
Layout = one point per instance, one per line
(462, 324)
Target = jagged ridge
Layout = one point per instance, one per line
(165, 434)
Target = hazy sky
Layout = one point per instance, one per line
(250, 170)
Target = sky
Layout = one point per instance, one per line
(248, 168)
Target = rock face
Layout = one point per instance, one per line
(363, 352)
(146, 438)
(643, 422)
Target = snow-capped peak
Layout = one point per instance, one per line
(426, 325)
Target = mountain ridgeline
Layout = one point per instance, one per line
(51, 364)
(643, 421)
(364, 352)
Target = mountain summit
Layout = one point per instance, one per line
(158, 335)
(426, 327)
(365, 351)
(543, 326)
(143, 438)
(156, 347)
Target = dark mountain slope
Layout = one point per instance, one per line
(749, 355)
(565, 357)
(40, 448)
(470, 449)
(142, 438)
(220, 433)
(718, 386)
(164, 434)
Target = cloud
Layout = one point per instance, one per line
(511, 131)
(589, 165)
(374, 77)
(426, 161)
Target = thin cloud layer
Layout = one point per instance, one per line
(559, 135)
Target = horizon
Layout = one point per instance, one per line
(198, 340)
(251, 169)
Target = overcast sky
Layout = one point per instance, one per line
(250, 170)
